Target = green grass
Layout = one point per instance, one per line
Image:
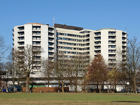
(67, 99)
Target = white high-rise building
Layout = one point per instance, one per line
(71, 41)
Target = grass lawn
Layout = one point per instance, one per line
(68, 99)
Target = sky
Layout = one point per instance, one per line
(89, 14)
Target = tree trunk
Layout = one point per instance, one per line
(100, 89)
(107, 89)
(62, 87)
(134, 81)
(97, 87)
(13, 85)
(115, 86)
(76, 85)
(84, 84)
(18, 80)
(70, 81)
(76, 82)
(48, 81)
(59, 82)
(27, 84)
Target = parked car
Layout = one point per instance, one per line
(123, 90)
(16, 88)
(138, 90)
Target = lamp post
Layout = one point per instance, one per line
(128, 86)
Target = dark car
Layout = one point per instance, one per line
(138, 90)
(17, 88)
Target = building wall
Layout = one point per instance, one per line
(28, 34)
(44, 41)
(89, 42)
(104, 44)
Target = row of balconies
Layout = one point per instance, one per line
(73, 40)
(74, 37)
(34, 39)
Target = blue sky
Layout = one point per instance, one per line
(89, 14)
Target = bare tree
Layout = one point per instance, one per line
(48, 69)
(10, 70)
(133, 60)
(29, 61)
(61, 69)
(78, 68)
(3, 50)
(13, 65)
(3, 47)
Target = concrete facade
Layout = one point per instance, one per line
(71, 41)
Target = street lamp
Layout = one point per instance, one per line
(128, 86)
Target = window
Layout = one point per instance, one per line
(111, 37)
(98, 38)
(21, 28)
(123, 33)
(21, 43)
(21, 38)
(21, 33)
(111, 46)
(97, 33)
(112, 51)
(111, 42)
(111, 55)
(110, 32)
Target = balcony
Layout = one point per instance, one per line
(111, 42)
(124, 62)
(112, 39)
(51, 36)
(37, 39)
(51, 41)
(52, 55)
(37, 59)
(21, 28)
(51, 45)
(36, 44)
(20, 33)
(21, 50)
(124, 53)
(111, 66)
(124, 38)
(112, 62)
(21, 43)
(111, 47)
(124, 49)
(111, 57)
(37, 64)
(98, 38)
(112, 52)
(97, 53)
(36, 28)
(51, 30)
(36, 33)
(51, 50)
(21, 40)
(124, 44)
(112, 34)
(38, 54)
(97, 48)
(99, 44)
(36, 49)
